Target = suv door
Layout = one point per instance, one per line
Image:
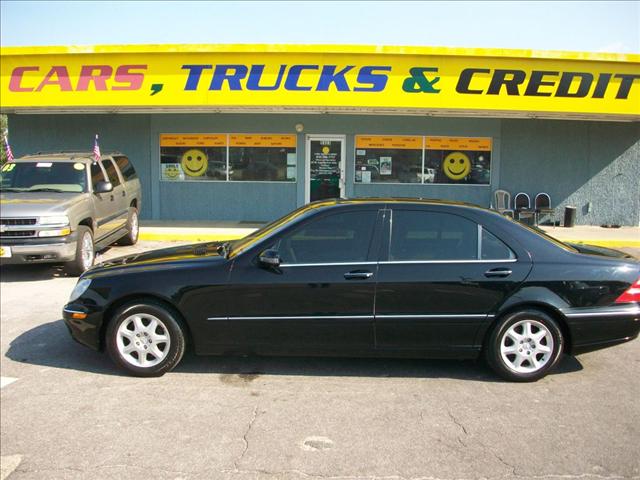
(440, 278)
(119, 204)
(320, 298)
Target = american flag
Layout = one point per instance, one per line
(96, 150)
(7, 147)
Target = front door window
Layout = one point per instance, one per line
(325, 168)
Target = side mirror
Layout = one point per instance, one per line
(269, 258)
(103, 187)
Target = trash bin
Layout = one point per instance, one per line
(570, 216)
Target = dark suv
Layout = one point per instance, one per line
(62, 207)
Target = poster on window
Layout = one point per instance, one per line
(388, 158)
(193, 157)
(459, 160)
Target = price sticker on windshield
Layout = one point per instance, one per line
(43, 164)
(8, 167)
(5, 252)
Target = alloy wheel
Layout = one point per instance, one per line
(526, 346)
(86, 251)
(143, 340)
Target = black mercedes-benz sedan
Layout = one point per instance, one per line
(365, 277)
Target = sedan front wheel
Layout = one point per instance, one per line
(145, 338)
(524, 346)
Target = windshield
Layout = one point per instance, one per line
(43, 177)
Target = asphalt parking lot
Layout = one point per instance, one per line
(67, 412)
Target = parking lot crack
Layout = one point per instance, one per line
(245, 438)
(455, 420)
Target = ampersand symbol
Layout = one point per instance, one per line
(418, 82)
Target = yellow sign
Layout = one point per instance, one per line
(193, 140)
(321, 78)
(257, 140)
(458, 143)
(399, 142)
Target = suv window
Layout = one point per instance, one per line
(341, 237)
(421, 235)
(112, 173)
(97, 175)
(126, 168)
(494, 249)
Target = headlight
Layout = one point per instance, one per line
(54, 220)
(59, 232)
(79, 289)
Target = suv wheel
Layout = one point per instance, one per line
(85, 253)
(524, 346)
(133, 228)
(145, 338)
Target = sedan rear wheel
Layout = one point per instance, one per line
(524, 346)
(146, 339)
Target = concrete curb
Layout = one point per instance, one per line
(192, 235)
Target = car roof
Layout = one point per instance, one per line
(393, 200)
(84, 157)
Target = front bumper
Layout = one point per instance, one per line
(39, 250)
(595, 328)
(84, 330)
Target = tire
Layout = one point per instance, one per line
(85, 252)
(134, 347)
(524, 346)
(133, 228)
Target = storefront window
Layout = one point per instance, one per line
(193, 157)
(227, 157)
(443, 160)
(389, 159)
(262, 158)
(459, 160)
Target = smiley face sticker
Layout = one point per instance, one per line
(456, 166)
(194, 162)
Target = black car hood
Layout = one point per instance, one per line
(164, 257)
(601, 251)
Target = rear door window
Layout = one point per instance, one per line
(432, 236)
(111, 172)
(494, 249)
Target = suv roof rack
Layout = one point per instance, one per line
(71, 153)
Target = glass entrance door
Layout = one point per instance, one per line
(325, 167)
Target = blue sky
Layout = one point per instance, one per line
(583, 26)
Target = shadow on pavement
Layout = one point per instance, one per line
(51, 345)
(30, 273)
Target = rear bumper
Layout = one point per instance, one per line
(595, 328)
(39, 251)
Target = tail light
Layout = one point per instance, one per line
(631, 295)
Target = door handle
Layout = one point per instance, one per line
(112, 198)
(498, 272)
(124, 194)
(357, 275)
